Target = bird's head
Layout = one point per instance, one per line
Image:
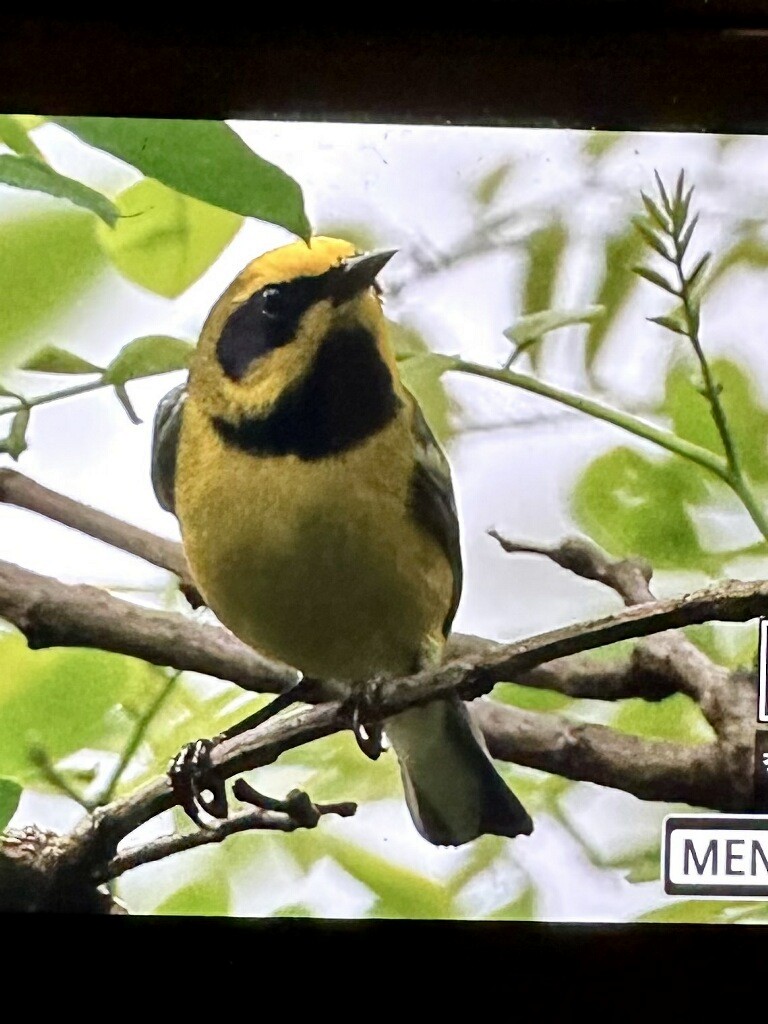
(264, 332)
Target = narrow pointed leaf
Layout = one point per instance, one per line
(669, 323)
(28, 173)
(663, 193)
(57, 360)
(16, 137)
(654, 212)
(655, 278)
(696, 275)
(686, 236)
(655, 243)
(124, 400)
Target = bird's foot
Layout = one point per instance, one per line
(366, 728)
(196, 783)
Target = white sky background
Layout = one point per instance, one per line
(410, 186)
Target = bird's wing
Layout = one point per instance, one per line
(165, 445)
(433, 502)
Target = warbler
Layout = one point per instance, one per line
(318, 517)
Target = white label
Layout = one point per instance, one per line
(717, 855)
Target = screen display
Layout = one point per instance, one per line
(453, 440)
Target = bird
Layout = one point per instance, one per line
(318, 517)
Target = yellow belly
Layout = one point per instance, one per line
(318, 564)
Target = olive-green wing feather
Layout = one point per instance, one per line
(165, 445)
(433, 503)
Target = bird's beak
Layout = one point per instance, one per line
(357, 273)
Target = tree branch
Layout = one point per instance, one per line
(19, 490)
(54, 614)
(665, 660)
(261, 819)
(699, 775)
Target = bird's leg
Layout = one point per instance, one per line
(192, 772)
(367, 731)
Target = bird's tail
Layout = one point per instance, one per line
(452, 789)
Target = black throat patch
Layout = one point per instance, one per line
(346, 397)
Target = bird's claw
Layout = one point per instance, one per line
(367, 733)
(192, 774)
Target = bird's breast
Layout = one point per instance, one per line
(316, 562)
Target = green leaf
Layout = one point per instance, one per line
(746, 416)
(598, 144)
(676, 718)
(16, 441)
(634, 506)
(45, 261)
(27, 172)
(655, 213)
(687, 234)
(165, 241)
(530, 698)
(663, 193)
(202, 159)
(208, 896)
(16, 136)
(644, 868)
(536, 325)
(52, 359)
(615, 287)
(63, 700)
(124, 399)
(490, 184)
(656, 244)
(10, 794)
(545, 250)
(679, 206)
(147, 357)
(670, 324)
(689, 911)
(657, 279)
(421, 372)
(749, 251)
(695, 276)
(401, 893)
(523, 908)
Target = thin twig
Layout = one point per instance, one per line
(257, 820)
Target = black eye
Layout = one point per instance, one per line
(274, 302)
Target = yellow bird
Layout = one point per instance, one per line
(318, 516)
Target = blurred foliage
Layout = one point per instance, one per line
(634, 504)
(64, 701)
(47, 259)
(164, 240)
(10, 794)
(206, 896)
(615, 287)
(545, 249)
